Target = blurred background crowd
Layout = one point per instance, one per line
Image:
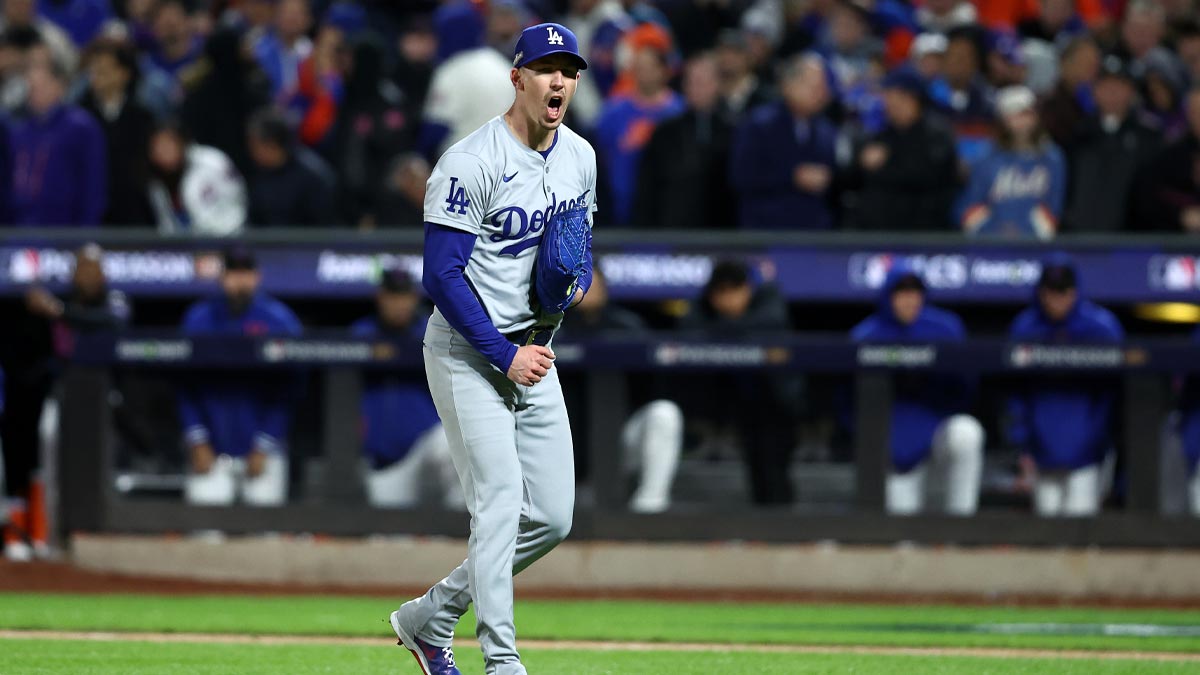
(1019, 118)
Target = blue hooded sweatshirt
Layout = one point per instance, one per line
(1064, 420)
(922, 400)
(59, 169)
(396, 406)
(239, 411)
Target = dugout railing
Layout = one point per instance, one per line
(641, 266)
(1143, 367)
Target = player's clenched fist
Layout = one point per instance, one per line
(530, 365)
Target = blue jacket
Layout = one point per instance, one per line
(766, 150)
(60, 169)
(81, 19)
(922, 401)
(1064, 421)
(278, 63)
(396, 407)
(623, 129)
(238, 411)
(1016, 194)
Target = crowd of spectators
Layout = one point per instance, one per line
(1018, 118)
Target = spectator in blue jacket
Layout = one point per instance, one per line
(783, 155)
(81, 19)
(235, 424)
(403, 438)
(176, 44)
(626, 124)
(930, 426)
(1018, 191)
(59, 162)
(281, 48)
(1064, 421)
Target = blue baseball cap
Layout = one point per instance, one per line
(545, 39)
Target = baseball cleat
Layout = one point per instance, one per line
(433, 660)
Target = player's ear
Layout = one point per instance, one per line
(515, 77)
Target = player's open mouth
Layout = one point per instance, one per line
(554, 107)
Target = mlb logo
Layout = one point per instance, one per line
(1174, 273)
(553, 37)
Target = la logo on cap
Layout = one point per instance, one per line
(554, 37)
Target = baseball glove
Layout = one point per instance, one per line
(561, 258)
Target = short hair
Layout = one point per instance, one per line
(1187, 29)
(727, 274)
(183, 5)
(269, 125)
(21, 37)
(173, 125)
(1145, 7)
(120, 49)
(795, 64)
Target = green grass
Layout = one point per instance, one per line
(43, 657)
(879, 625)
(603, 620)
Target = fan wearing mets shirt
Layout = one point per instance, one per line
(494, 205)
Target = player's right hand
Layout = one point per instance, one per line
(530, 365)
(203, 458)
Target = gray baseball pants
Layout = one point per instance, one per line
(511, 446)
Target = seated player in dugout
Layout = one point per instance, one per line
(763, 406)
(652, 437)
(236, 422)
(1064, 421)
(404, 444)
(932, 436)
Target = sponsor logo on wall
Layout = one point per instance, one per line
(946, 271)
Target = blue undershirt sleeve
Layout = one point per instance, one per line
(447, 251)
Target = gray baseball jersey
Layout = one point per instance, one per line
(511, 444)
(492, 185)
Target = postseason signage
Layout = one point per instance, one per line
(837, 272)
(674, 353)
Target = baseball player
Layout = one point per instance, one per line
(1065, 421)
(518, 191)
(403, 440)
(930, 426)
(236, 424)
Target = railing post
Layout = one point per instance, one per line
(84, 465)
(607, 406)
(872, 437)
(1144, 411)
(341, 442)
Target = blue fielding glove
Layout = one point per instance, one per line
(561, 258)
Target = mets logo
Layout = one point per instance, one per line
(513, 223)
(554, 37)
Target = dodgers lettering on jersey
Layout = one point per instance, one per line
(492, 185)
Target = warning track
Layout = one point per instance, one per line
(590, 645)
